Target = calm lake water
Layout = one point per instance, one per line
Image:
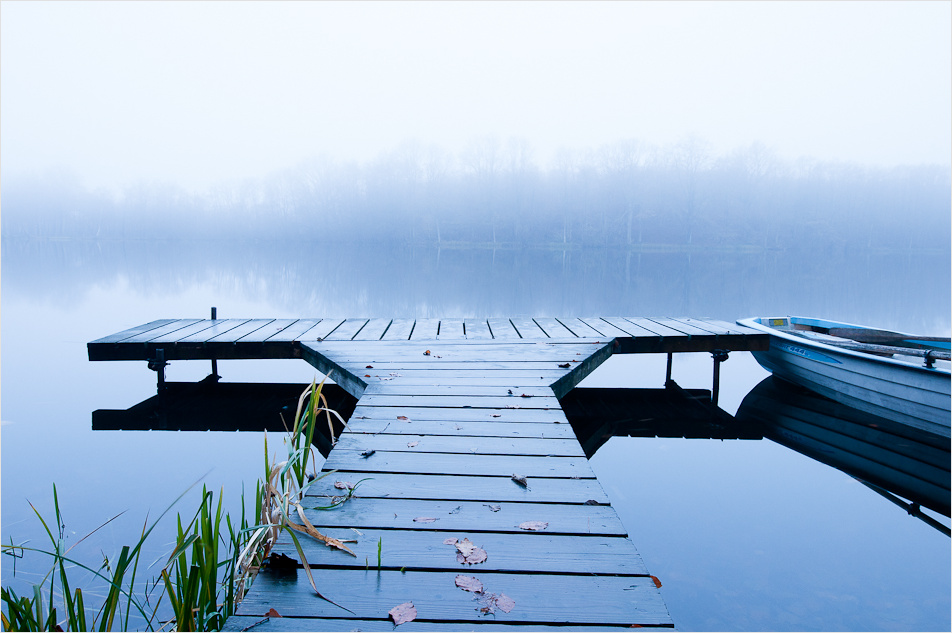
(744, 535)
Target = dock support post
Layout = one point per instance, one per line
(158, 366)
(215, 375)
(667, 376)
(720, 355)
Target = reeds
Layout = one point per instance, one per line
(211, 566)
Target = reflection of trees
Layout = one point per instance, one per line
(625, 194)
(301, 278)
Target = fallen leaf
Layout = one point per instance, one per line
(401, 613)
(468, 583)
(367, 453)
(426, 353)
(369, 367)
(412, 444)
(456, 510)
(449, 541)
(494, 508)
(272, 613)
(343, 485)
(496, 415)
(510, 391)
(521, 480)
(504, 602)
(402, 417)
(533, 526)
(525, 395)
(366, 375)
(425, 519)
(469, 553)
(656, 582)
(590, 502)
(565, 365)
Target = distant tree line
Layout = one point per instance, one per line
(625, 195)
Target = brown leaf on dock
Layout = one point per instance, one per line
(521, 480)
(402, 417)
(343, 485)
(656, 582)
(468, 583)
(426, 353)
(402, 613)
(370, 367)
(272, 613)
(469, 553)
(366, 375)
(533, 526)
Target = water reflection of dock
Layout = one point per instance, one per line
(447, 413)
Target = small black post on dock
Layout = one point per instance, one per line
(667, 376)
(720, 355)
(215, 375)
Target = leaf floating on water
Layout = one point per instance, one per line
(533, 526)
(412, 444)
(565, 365)
(468, 583)
(425, 519)
(343, 485)
(367, 453)
(449, 541)
(521, 480)
(401, 613)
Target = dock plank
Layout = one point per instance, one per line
(322, 330)
(421, 444)
(275, 326)
(461, 488)
(131, 332)
(477, 329)
(488, 428)
(347, 330)
(416, 550)
(240, 332)
(527, 328)
(621, 600)
(460, 464)
(399, 330)
(373, 330)
(451, 329)
(461, 414)
(294, 332)
(472, 517)
(554, 328)
(516, 400)
(385, 388)
(502, 329)
(425, 330)
(156, 333)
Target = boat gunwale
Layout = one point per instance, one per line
(754, 323)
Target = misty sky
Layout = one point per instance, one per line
(198, 93)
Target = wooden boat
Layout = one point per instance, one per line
(897, 376)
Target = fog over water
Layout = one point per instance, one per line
(483, 160)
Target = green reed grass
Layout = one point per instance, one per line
(211, 566)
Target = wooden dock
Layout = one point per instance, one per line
(458, 434)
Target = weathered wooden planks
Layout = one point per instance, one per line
(539, 598)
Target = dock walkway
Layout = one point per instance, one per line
(458, 434)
